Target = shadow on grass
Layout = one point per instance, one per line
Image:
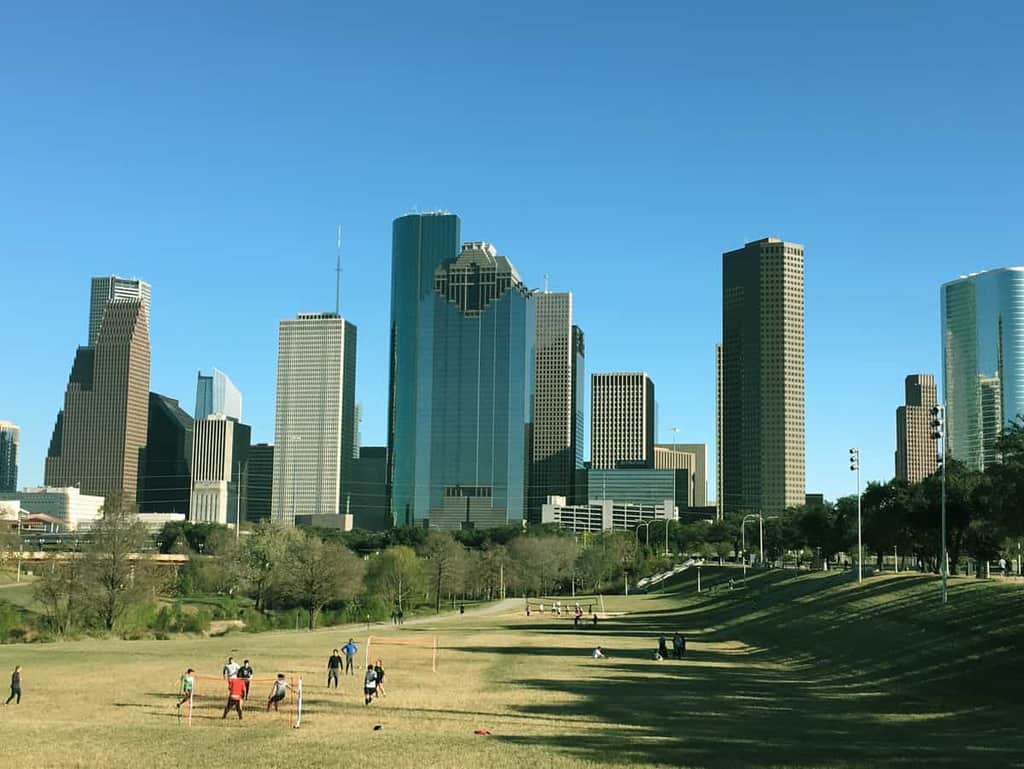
(829, 674)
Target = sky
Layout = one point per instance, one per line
(212, 150)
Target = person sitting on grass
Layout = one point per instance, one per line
(599, 654)
(369, 684)
(236, 693)
(186, 683)
(277, 691)
(378, 668)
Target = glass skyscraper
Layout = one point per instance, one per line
(420, 244)
(217, 394)
(982, 361)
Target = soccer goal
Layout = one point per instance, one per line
(210, 694)
(415, 650)
(566, 606)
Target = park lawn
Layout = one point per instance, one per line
(783, 671)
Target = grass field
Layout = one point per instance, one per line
(789, 671)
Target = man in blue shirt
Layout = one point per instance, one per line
(350, 650)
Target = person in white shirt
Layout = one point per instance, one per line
(230, 668)
(598, 654)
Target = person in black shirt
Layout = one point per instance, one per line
(15, 686)
(245, 672)
(378, 668)
(334, 664)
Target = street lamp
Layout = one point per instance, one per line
(855, 467)
(938, 434)
(743, 537)
(675, 431)
(646, 526)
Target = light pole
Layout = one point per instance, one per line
(855, 466)
(938, 434)
(646, 526)
(743, 537)
(675, 431)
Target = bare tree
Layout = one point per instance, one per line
(317, 573)
(445, 563)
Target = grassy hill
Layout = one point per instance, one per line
(782, 671)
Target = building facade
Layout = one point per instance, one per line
(763, 459)
(220, 452)
(165, 480)
(314, 428)
(110, 288)
(471, 460)
(101, 430)
(558, 398)
(259, 483)
(420, 244)
(68, 504)
(10, 439)
(669, 457)
(603, 514)
(639, 485)
(718, 430)
(622, 422)
(982, 361)
(217, 394)
(367, 501)
(916, 452)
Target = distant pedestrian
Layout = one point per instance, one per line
(187, 683)
(662, 646)
(378, 668)
(230, 668)
(15, 686)
(595, 620)
(334, 663)
(677, 646)
(682, 646)
(278, 691)
(245, 673)
(401, 617)
(369, 684)
(350, 650)
(394, 616)
(236, 693)
(576, 619)
(462, 609)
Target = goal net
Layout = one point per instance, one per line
(401, 653)
(566, 607)
(209, 697)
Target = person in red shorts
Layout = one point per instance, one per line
(236, 693)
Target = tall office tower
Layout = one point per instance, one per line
(111, 288)
(621, 420)
(915, 449)
(314, 429)
(259, 482)
(763, 377)
(217, 394)
(357, 441)
(471, 458)
(692, 457)
(557, 445)
(420, 244)
(220, 452)
(982, 361)
(368, 501)
(10, 436)
(164, 475)
(102, 428)
(718, 430)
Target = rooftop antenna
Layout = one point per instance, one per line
(337, 278)
(545, 283)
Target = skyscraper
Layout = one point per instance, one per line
(314, 429)
(557, 442)
(916, 456)
(109, 288)
(420, 244)
(982, 361)
(621, 420)
(165, 478)
(220, 449)
(259, 482)
(102, 428)
(473, 434)
(10, 435)
(217, 394)
(763, 377)
(718, 430)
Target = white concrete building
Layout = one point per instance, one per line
(604, 514)
(315, 424)
(67, 504)
(219, 453)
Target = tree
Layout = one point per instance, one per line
(61, 592)
(445, 563)
(318, 573)
(395, 575)
(541, 562)
(263, 553)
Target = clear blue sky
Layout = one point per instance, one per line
(211, 149)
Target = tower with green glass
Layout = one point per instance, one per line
(420, 244)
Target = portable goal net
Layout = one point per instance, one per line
(210, 696)
(407, 651)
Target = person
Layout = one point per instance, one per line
(378, 668)
(401, 617)
(677, 646)
(1002, 565)
(230, 668)
(236, 693)
(369, 684)
(333, 669)
(662, 646)
(599, 654)
(576, 619)
(595, 619)
(277, 691)
(682, 646)
(527, 610)
(15, 686)
(187, 683)
(462, 608)
(245, 673)
(394, 616)
(350, 650)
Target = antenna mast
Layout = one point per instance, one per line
(337, 278)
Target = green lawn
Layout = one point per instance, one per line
(787, 671)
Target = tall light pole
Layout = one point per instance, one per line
(743, 537)
(675, 431)
(939, 434)
(646, 526)
(855, 466)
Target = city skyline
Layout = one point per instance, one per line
(621, 169)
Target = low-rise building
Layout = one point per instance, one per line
(66, 504)
(604, 514)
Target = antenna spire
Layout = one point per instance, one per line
(337, 278)
(545, 283)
